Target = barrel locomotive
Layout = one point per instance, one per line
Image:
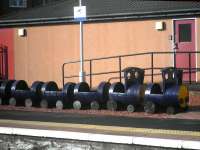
(130, 94)
(173, 96)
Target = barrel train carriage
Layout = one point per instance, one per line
(87, 98)
(22, 95)
(53, 97)
(173, 96)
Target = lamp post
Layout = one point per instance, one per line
(81, 73)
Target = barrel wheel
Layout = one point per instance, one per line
(28, 103)
(150, 107)
(130, 108)
(59, 105)
(77, 105)
(94, 105)
(44, 103)
(171, 110)
(1, 101)
(112, 105)
(12, 101)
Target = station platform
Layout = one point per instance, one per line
(180, 131)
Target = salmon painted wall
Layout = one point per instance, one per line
(7, 39)
(40, 55)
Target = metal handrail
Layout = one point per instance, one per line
(119, 57)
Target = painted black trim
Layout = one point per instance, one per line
(101, 18)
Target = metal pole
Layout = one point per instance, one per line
(190, 69)
(90, 73)
(152, 67)
(81, 73)
(120, 69)
(63, 75)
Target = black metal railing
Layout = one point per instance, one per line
(188, 70)
(3, 62)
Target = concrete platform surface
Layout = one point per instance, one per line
(180, 131)
(171, 128)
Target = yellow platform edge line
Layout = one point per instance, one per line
(101, 128)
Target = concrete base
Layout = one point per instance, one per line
(14, 142)
(82, 77)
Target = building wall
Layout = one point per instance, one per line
(40, 55)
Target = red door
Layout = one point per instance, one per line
(6, 39)
(185, 41)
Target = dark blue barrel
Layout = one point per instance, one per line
(87, 98)
(171, 96)
(1, 100)
(68, 96)
(34, 95)
(153, 98)
(5, 91)
(176, 99)
(19, 93)
(50, 94)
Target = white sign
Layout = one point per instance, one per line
(80, 13)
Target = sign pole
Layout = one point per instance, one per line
(81, 73)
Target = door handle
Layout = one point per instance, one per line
(175, 45)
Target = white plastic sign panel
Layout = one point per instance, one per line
(80, 13)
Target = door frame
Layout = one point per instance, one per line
(196, 38)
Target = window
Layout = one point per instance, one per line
(185, 34)
(18, 3)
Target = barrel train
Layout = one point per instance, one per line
(171, 96)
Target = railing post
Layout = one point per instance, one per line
(63, 75)
(120, 69)
(90, 73)
(2, 64)
(1, 53)
(152, 67)
(5, 54)
(190, 71)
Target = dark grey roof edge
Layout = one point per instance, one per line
(99, 18)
